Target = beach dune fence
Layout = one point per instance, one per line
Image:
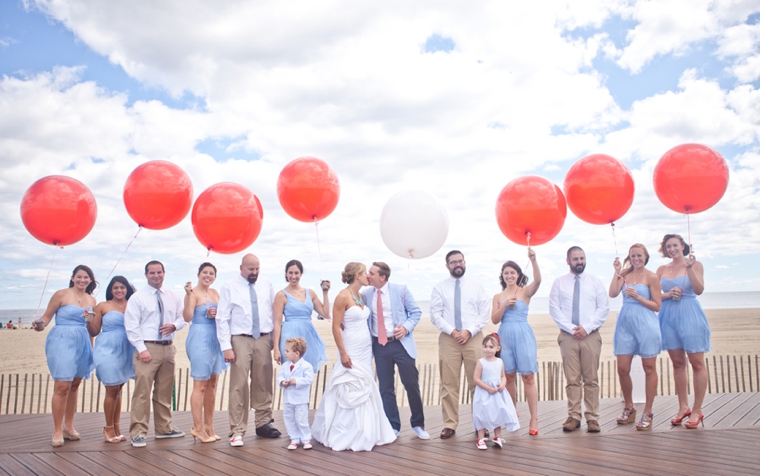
(32, 393)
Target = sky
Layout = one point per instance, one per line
(450, 98)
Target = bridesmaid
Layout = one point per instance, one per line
(637, 331)
(204, 352)
(519, 349)
(113, 353)
(685, 331)
(297, 305)
(68, 348)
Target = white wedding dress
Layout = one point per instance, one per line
(350, 415)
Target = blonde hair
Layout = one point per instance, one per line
(297, 344)
(351, 270)
(627, 266)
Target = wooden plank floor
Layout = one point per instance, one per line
(728, 444)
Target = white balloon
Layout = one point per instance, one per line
(414, 224)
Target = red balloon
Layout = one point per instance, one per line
(599, 189)
(308, 189)
(227, 218)
(690, 178)
(532, 205)
(58, 210)
(158, 195)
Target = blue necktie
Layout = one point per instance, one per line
(577, 301)
(458, 306)
(255, 331)
(160, 313)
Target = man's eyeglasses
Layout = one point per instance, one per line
(456, 263)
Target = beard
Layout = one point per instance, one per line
(579, 268)
(252, 278)
(458, 272)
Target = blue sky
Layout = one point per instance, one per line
(457, 102)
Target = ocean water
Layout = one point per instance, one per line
(538, 305)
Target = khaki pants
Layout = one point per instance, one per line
(451, 356)
(580, 361)
(253, 358)
(156, 375)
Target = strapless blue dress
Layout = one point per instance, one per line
(519, 350)
(637, 331)
(113, 353)
(202, 346)
(298, 324)
(683, 323)
(67, 346)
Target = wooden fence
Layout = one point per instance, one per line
(32, 393)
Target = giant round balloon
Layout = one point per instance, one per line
(158, 195)
(532, 205)
(414, 224)
(690, 178)
(599, 189)
(58, 210)
(227, 218)
(308, 189)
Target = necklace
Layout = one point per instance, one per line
(359, 300)
(636, 280)
(124, 307)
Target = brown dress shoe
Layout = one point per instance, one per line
(571, 424)
(593, 426)
(447, 433)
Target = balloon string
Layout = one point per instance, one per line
(37, 312)
(139, 229)
(691, 247)
(319, 247)
(526, 266)
(614, 238)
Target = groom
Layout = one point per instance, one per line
(394, 315)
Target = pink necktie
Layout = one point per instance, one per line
(291, 367)
(382, 339)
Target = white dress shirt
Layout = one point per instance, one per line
(475, 305)
(142, 318)
(233, 315)
(594, 304)
(387, 311)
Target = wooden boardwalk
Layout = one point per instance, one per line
(729, 444)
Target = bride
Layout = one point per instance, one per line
(350, 415)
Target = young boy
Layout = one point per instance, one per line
(296, 376)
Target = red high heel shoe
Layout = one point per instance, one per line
(678, 421)
(692, 425)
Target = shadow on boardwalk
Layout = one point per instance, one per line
(729, 444)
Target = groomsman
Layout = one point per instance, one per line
(393, 316)
(579, 305)
(244, 325)
(150, 319)
(459, 308)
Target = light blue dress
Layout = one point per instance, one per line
(683, 323)
(67, 346)
(113, 353)
(519, 350)
(492, 411)
(298, 324)
(637, 331)
(202, 346)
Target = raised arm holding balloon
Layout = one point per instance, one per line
(518, 343)
(637, 331)
(685, 331)
(297, 304)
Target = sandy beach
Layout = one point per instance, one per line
(734, 332)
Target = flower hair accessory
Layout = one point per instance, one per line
(496, 335)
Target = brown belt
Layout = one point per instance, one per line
(390, 339)
(158, 342)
